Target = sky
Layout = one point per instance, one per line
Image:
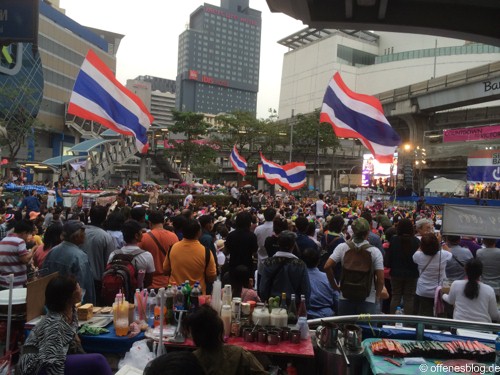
(152, 29)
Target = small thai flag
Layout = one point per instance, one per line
(239, 164)
(98, 96)
(291, 176)
(359, 116)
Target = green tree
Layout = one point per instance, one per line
(238, 128)
(17, 121)
(312, 138)
(195, 150)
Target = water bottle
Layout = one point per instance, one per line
(497, 352)
(186, 290)
(399, 312)
(179, 300)
(151, 304)
(195, 293)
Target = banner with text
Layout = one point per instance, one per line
(479, 133)
(484, 166)
(476, 221)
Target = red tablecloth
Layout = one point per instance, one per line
(303, 349)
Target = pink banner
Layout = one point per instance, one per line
(480, 133)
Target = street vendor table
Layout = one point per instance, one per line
(379, 366)
(109, 342)
(303, 349)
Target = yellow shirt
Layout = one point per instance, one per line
(187, 262)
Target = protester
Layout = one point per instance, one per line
(431, 262)
(175, 363)
(98, 245)
(284, 272)
(68, 258)
(14, 256)
(455, 268)
(158, 241)
(404, 272)
(472, 299)
(207, 330)
(375, 265)
(241, 244)
(189, 260)
(490, 257)
(51, 238)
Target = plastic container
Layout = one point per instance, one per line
(260, 315)
(279, 317)
(303, 327)
(120, 317)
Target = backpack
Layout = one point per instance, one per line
(357, 273)
(121, 274)
(327, 250)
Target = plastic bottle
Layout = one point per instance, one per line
(292, 311)
(179, 300)
(302, 307)
(151, 304)
(227, 295)
(290, 369)
(136, 305)
(157, 310)
(497, 351)
(169, 303)
(195, 293)
(226, 319)
(303, 327)
(186, 290)
(399, 312)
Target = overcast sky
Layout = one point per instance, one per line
(152, 29)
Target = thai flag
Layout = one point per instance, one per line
(239, 164)
(359, 116)
(484, 166)
(291, 176)
(98, 96)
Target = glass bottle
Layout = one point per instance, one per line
(292, 311)
(302, 307)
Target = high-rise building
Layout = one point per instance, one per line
(218, 59)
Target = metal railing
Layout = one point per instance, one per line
(420, 322)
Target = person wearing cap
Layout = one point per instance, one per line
(284, 272)
(361, 229)
(68, 258)
(14, 256)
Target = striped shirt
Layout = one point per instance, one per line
(12, 248)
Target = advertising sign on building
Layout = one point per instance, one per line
(477, 133)
(484, 166)
(18, 21)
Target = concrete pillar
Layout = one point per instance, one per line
(417, 124)
(142, 169)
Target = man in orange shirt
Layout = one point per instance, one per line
(158, 242)
(189, 260)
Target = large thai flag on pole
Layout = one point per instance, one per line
(291, 176)
(359, 116)
(98, 96)
(239, 164)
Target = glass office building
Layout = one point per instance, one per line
(218, 59)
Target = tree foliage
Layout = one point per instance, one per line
(310, 137)
(194, 129)
(16, 119)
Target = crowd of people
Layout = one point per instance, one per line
(345, 257)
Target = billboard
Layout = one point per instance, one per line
(18, 21)
(373, 171)
(484, 166)
(477, 133)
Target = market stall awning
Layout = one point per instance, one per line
(89, 145)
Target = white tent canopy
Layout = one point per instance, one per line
(445, 185)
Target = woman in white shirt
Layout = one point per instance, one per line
(431, 262)
(473, 300)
